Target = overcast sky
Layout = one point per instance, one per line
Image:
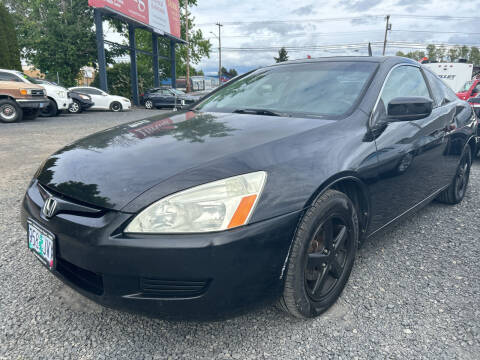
(276, 23)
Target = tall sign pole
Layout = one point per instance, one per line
(188, 48)
(388, 26)
(219, 52)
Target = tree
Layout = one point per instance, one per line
(229, 73)
(453, 54)
(474, 56)
(415, 55)
(282, 55)
(56, 35)
(463, 52)
(432, 52)
(9, 53)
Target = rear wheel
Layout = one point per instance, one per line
(10, 111)
(116, 106)
(50, 110)
(75, 107)
(457, 189)
(322, 256)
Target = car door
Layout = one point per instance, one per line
(99, 99)
(412, 155)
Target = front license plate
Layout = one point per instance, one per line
(42, 243)
(41, 105)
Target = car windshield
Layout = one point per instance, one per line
(466, 86)
(314, 89)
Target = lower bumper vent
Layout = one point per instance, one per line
(172, 288)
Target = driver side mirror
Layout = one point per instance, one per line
(409, 108)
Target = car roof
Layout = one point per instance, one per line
(375, 59)
(11, 71)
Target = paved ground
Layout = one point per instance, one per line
(414, 292)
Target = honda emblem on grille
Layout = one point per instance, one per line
(49, 207)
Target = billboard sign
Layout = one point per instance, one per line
(163, 16)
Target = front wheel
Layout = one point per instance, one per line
(455, 193)
(50, 110)
(322, 256)
(75, 107)
(10, 111)
(116, 106)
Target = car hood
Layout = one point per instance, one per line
(118, 98)
(53, 88)
(111, 168)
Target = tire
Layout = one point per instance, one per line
(116, 106)
(318, 269)
(455, 193)
(75, 107)
(149, 104)
(31, 114)
(10, 111)
(50, 110)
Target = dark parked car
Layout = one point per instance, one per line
(263, 191)
(167, 97)
(80, 102)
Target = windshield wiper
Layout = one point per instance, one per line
(258, 112)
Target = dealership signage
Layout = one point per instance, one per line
(163, 16)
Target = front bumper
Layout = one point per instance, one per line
(63, 103)
(33, 103)
(126, 105)
(174, 276)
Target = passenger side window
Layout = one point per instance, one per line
(404, 81)
(8, 77)
(436, 87)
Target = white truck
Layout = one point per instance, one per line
(57, 95)
(454, 75)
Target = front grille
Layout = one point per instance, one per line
(84, 279)
(172, 288)
(37, 92)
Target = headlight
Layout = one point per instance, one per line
(85, 97)
(216, 206)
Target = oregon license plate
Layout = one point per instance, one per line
(42, 243)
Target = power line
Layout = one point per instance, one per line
(361, 18)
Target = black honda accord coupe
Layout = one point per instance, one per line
(261, 192)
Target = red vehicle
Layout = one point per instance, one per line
(470, 89)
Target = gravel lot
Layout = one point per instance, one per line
(414, 292)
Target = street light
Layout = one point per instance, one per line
(219, 52)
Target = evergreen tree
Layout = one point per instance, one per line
(9, 52)
(282, 55)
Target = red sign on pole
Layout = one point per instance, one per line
(161, 15)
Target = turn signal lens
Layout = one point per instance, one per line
(23, 92)
(216, 206)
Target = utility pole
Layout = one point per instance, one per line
(388, 26)
(219, 52)
(188, 48)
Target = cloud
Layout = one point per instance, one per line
(277, 28)
(304, 10)
(359, 5)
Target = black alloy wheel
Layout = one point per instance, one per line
(328, 252)
(455, 193)
(116, 106)
(322, 256)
